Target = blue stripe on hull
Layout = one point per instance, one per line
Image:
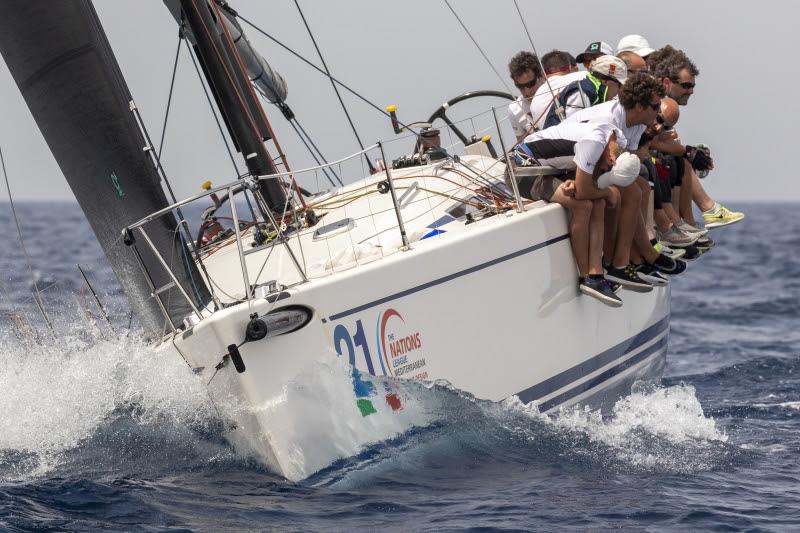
(449, 277)
(600, 360)
(600, 378)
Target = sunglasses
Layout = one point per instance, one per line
(685, 84)
(656, 106)
(664, 125)
(526, 85)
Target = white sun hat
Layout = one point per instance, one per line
(636, 44)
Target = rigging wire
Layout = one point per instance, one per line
(559, 109)
(36, 295)
(326, 74)
(335, 89)
(169, 98)
(213, 111)
(502, 80)
(313, 155)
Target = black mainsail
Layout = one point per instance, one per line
(62, 63)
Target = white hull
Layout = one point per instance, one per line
(492, 307)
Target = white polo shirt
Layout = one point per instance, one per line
(571, 145)
(519, 115)
(613, 113)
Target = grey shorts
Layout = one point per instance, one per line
(544, 187)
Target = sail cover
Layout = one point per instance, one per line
(62, 63)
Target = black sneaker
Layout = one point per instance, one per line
(599, 289)
(705, 242)
(651, 275)
(669, 265)
(613, 285)
(628, 278)
(693, 252)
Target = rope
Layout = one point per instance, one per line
(335, 89)
(169, 98)
(499, 77)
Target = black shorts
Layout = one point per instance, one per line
(675, 165)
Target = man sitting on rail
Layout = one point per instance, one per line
(583, 152)
(602, 83)
(677, 73)
(636, 108)
(560, 70)
(527, 76)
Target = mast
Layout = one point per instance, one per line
(235, 96)
(60, 58)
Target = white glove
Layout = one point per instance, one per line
(625, 171)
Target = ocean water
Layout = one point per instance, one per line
(99, 432)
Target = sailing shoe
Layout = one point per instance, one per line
(651, 275)
(674, 253)
(598, 288)
(675, 237)
(613, 285)
(719, 215)
(693, 252)
(690, 230)
(628, 278)
(705, 242)
(668, 265)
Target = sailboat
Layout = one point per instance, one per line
(429, 267)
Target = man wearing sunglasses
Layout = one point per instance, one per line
(527, 76)
(636, 108)
(677, 73)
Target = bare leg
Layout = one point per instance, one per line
(596, 236)
(610, 232)
(629, 210)
(642, 249)
(699, 195)
(671, 213)
(580, 212)
(661, 219)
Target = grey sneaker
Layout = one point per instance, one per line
(691, 230)
(674, 237)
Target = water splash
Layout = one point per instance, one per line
(58, 395)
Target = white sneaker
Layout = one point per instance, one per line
(674, 253)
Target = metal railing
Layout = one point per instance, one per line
(249, 185)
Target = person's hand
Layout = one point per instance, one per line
(612, 197)
(698, 158)
(569, 188)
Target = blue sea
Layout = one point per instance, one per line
(97, 432)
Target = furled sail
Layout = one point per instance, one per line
(62, 63)
(260, 72)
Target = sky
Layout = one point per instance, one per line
(415, 54)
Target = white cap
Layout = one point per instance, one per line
(611, 66)
(636, 44)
